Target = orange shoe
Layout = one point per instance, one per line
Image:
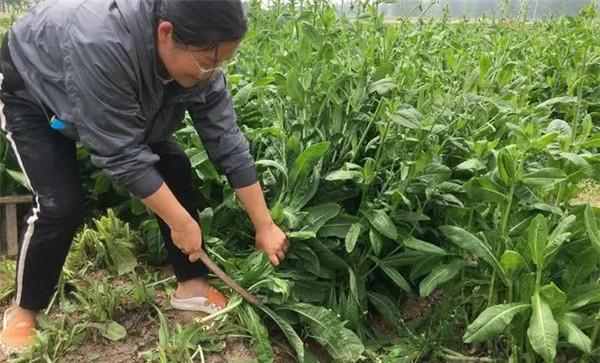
(18, 332)
(214, 302)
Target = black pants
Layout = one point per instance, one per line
(48, 159)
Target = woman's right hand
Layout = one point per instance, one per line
(188, 238)
(185, 231)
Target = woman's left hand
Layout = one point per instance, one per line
(271, 239)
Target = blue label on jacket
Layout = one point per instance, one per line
(58, 124)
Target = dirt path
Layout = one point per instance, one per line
(591, 194)
(142, 335)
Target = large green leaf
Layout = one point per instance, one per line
(471, 243)
(559, 235)
(584, 295)
(111, 330)
(206, 217)
(471, 165)
(355, 175)
(385, 306)
(19, 177)
(592, 142)
(423, 265)
(543, 329)
(122, 257)
(352, 236)
(376, 241)
(305, 191)
(422, 246)
(382, 223)
(492, 321)
(507, 168)
(382, 86)
(581, 265)
(274, 164)
(338, 226)
(307, 160)
(260, 335)
(326, 256)
(243, 94)
(309, 256)
(537, 236)
(327, 329)
(543, 141)
(398, 279)
(558, 100)
(555, 297)
(301, 235)
(546, 177)
(512, 262)
(440, 275)
(574, 335)
(592, 227)
(319, 215)
(483, 189)
(580, 163)
(289, 332)
(255, 267)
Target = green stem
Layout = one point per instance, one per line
(198, 351)
(491, 290)
(219, 313)
(511, 338)
(561, 191)
(595, 331)
(382, 143)
(449, 354)
(389, 179)
(504, 225)
(356, 149)
(161, 281)
(511, 194)
(51, 303)
(579, 96)
(367, 187)
(538, 277)
(506, 213)
(377, 265)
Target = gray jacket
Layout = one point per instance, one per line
(94, 64)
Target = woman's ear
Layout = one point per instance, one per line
(165, 33)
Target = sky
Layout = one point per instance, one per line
(478, 8)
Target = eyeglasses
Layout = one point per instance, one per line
(203, 71)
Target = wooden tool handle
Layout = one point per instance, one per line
(228, 280)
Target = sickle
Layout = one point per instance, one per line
(228, 280)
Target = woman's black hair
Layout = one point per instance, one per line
(205, 23)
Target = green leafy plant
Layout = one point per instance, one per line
(182, 344)
(8, 273)
(54, 340)
(111, 244)
(99, 301)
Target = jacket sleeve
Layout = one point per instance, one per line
(101, 89)
(227, 147)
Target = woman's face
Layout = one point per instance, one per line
(190, 66)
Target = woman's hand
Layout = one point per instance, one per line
(271, 239)
(188, 238)
(185, 231)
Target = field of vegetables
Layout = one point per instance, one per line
(429, 174)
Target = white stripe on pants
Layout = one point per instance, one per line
(31, 220)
